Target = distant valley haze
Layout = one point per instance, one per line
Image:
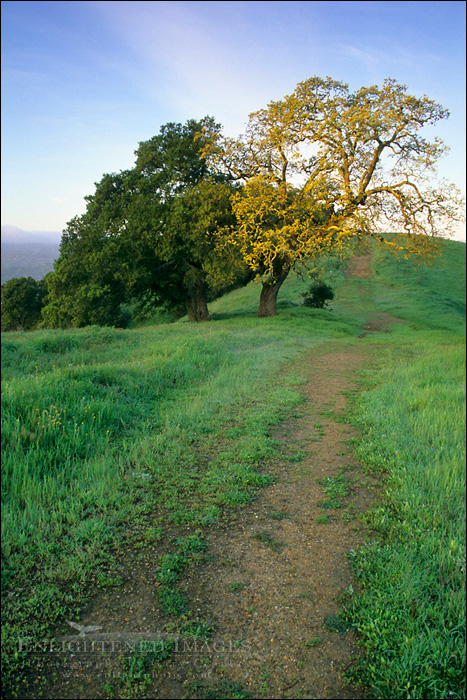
(32, 253)
(28, 253)
(15, 235)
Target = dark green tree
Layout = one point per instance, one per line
(193, 243)
(83, 288)
(197, 206)
(171, 161)
(148, 236)
(22, 301)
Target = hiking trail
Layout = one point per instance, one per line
(272, 578)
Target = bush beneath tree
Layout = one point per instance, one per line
(318, 295)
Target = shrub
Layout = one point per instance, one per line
(318, 295)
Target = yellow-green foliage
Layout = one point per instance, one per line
(324, 165)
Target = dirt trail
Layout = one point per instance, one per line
(271, 580)
(359, 267)
(292, 569)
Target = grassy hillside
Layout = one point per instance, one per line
(102, 428)
(111, 438)
(430, 296)
(411, 614)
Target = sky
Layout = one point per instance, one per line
(83, 83)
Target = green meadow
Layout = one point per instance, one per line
(113, 438)
(411, 614)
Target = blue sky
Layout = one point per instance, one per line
(84, 82)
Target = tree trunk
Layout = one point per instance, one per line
(268, 298)
(191, 306)
(196, 304)
(202, 313)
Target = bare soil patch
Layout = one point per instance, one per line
(380, 321)
(359, 267)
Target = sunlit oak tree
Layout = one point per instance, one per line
(325, 166)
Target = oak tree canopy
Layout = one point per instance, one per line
(313, 173)
(147, 236)
(325, 166)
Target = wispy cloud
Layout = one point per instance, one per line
(380, 62)
(84, 82)
(194, 62)
(370, 60)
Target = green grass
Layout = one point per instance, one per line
(431, 297)
(136, 667)
(223, 690)
(315, 642)
(237, 586)
(322, 519)
(278, 514)
(336, 488)
(269, 541)
(111, 438)
(411, 615)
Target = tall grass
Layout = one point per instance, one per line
(105, 432)
(411, 614)
(111, 438)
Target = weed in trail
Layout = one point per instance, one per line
(337, 623)
(172, 601)
(336, 488)
(322, 519)
(331, 504)
(296, 458)
(348, 515)
(236, 587)
(170, 568)
(223, 690)
(135, 667)
(333, 415)
(150, 536)
(226, 563)
(315, 642)
(108, 580)
(191, 544)
(153, 534)
(268, 540)
(189, 627)
(279, 514)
